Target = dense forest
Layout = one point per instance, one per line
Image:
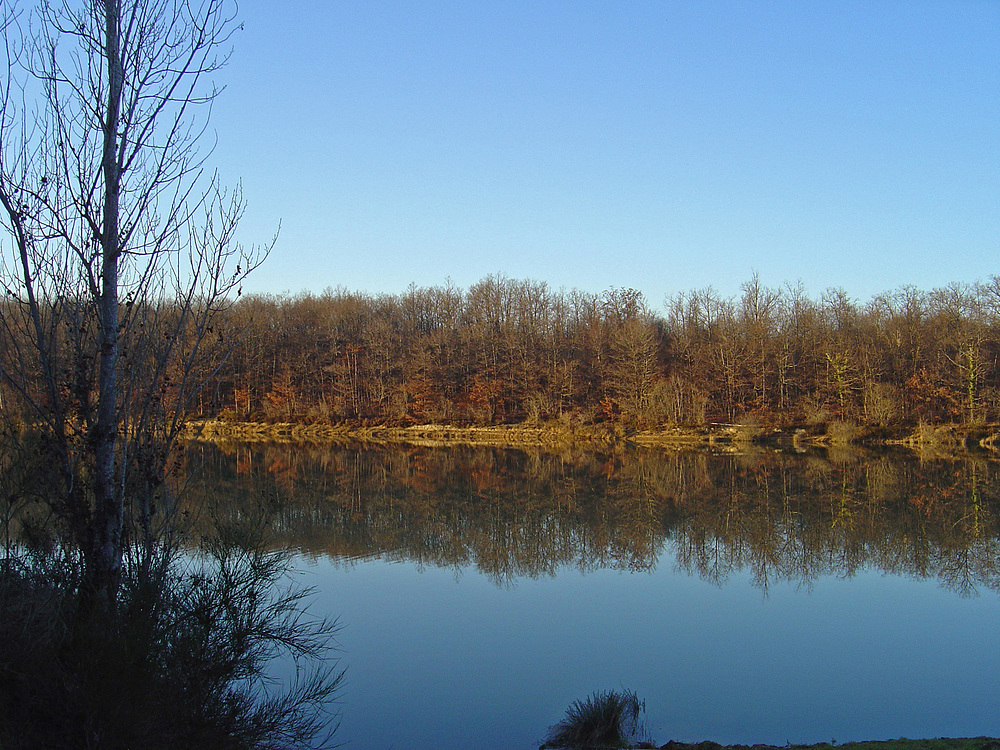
(512, 351)
(508, 350)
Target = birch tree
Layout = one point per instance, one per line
(120, 250)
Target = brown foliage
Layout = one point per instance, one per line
(508, 351)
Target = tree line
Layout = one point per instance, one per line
(515, 350)
(508, 351)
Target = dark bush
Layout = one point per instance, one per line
(181, 662)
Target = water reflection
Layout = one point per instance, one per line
(516, 514)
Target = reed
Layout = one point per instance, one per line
(610, 718)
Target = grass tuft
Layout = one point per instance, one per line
(610, 718)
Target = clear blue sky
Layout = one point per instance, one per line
(666, 146)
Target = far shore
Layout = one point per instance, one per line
(717, 436)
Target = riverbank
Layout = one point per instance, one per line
(722, 437)
(967, 743)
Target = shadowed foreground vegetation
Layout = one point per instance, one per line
(613, 719)
(180, 658)
(182, 662)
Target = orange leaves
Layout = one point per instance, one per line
(484, 395)
(282, 401)
(931, 398)
(609, 408)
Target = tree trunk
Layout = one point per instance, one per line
(106, 552)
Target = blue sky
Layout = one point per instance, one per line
(666, 146)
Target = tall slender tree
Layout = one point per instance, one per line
(121, 248)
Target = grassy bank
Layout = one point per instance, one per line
(614, 719)
(967, 743)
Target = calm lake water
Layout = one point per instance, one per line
(747, 598)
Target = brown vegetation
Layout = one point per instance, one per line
(510, 351)
(551, 367)
(516, 352)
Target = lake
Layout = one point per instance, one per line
(747, 598)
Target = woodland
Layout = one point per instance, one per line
(508, 351)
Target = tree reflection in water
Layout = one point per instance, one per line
(529, 513)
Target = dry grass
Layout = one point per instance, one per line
(611, 718)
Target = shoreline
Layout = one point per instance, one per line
(723, 437)
(942, 743)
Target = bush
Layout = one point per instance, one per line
(181, 662)
(842, 432)
(606, 719)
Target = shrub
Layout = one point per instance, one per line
(842, 432)
(181, 662)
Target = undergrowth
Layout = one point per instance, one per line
(181, 662)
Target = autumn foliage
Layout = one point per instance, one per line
(512, 351)
(508, 350)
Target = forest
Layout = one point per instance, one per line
(509, 351)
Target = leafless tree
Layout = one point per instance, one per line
(121, 248)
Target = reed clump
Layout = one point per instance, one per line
(606, 719)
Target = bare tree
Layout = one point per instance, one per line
(121, 249)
